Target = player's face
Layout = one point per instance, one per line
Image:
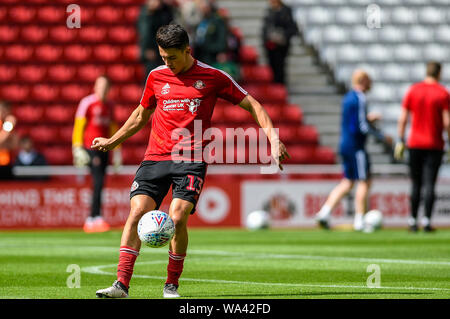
(176, 60)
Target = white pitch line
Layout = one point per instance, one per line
(97, 270)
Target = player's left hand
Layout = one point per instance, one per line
(399, 150)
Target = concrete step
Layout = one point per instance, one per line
(325, 103)
(313, 89)
(320, 119)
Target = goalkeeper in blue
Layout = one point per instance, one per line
(356, 125)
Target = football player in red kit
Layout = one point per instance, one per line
(178, 94)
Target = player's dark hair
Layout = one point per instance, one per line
(434, 69)
(172, 36)
(6, 104)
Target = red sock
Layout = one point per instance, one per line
(174, 268)
(127, 257)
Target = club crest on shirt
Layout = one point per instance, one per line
(193, 105)
(199, 85)
(165, 89)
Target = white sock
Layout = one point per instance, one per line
(425, 221)
(359, 219)
(324, 212)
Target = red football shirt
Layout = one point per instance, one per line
(426, 101)
(179, 101)
(98, 116)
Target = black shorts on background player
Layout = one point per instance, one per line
(97, 165)
(154, 178)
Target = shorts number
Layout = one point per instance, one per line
(191, 186)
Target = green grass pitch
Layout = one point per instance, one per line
(232, 263)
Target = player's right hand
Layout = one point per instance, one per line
(399, 150)
(102, 144)
(80, 156)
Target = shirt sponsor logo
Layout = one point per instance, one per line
(165, 89)
(180, 105)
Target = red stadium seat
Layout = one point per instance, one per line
(308, 134)
(73, 93)
(92, 34)
(256, 74)
(58, 155)
(132, 154)
(131, 93)
(3, 13)
(107, 53)
(140, 137)
(123, 34)
(130, 52)
(131, 14)
(274, 111)
(248, 55)
(44, 134)
(301, 154)
(32, 73)
(29, 113)
(48, 53)
(288, 134)
(293, 112)
(62, 34)
(237, 115)
(45, 92)
(15, 93)
(122, 113)
(51, 14)
(61, 72)
(121, 73)
(325, 155)
(65, 135)
(90, 72)
(108, 14)
(60, 114)
(8, 33)
(35, 34)
(87, 14)
(77, 53)
(18, 53)
(7, 73)
(268, 93)
(22, 14)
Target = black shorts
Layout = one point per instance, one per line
(154, 178)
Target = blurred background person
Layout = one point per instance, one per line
(189, 16)
(8, 139)
(279, 27)
(427, 103)
(355, 126)
(29, 156)
(153, 14)
(210, 35)
(94, 117)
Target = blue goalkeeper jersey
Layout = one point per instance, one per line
(354, 124)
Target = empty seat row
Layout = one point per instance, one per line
(334, 54)
(74, 53)
(63, 35)
(51, 14)
(85, 73)
(388, 34)
(317, 15)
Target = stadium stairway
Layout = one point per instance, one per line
(311, 83)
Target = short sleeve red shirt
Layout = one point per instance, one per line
(184, 104)
(99, 116)
(426, 101)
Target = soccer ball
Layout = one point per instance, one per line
(155, 229)
(373, 220)
(258, 219)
